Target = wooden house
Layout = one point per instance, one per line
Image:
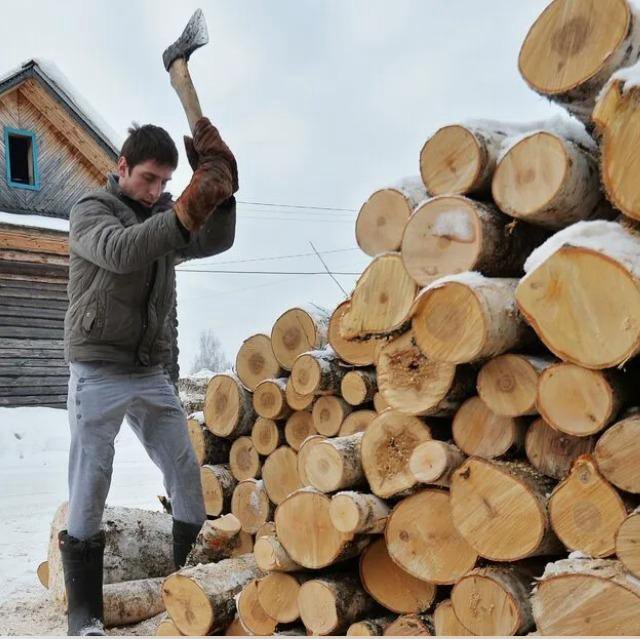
(53, 149)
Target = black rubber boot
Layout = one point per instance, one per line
(82, 564)
(184, 536)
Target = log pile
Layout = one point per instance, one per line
(453, 449)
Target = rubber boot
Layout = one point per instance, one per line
(82, 565)
(184, 536)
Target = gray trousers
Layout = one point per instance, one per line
(101, 395)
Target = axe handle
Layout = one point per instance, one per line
(183, 85)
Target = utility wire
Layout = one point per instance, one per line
(328, 271)
(195, 270)
(279, 257)
(297, 206)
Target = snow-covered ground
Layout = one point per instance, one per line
(34, 446)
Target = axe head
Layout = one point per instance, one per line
(194, 36)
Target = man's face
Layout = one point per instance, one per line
(146, 181)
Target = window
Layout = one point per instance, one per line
(21, 157)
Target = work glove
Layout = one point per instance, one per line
(215, 176)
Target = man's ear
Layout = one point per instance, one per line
(122, 166)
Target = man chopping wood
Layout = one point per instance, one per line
(124, 241)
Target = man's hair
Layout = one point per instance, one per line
(149, 142)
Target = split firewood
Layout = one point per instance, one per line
(586, 511)
(587, 597)
(573, 48)
(250, 504)
(454, 234)
(218, 485)
(228, 411)
(508, 384)
(422, 539)
(390, 585)
(510, 496)
(256, 362)
(468, 317)
(297, 331)
(579, 401)
(200, 599)
(330, 604)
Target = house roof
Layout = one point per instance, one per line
(57, 84)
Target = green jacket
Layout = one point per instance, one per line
(121, 274)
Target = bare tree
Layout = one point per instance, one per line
(211, 354)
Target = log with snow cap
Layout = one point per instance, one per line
(581, 294)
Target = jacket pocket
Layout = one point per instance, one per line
(89, 323)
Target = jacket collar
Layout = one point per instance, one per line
(113, 187)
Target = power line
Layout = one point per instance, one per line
(298, 206)
(194, 270)
(280, 257)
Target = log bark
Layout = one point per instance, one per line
(280, 474)
(390, 585)
(266, 436)
(508, 384)
(244, 461)
(278, 596)
(317, 373)
(628, 543)
(509, 496)
(228, 411)
(335, 464)
(217, 540)
(138, 545)
(550, 181)
(297, 401)
(494, 601)
(552, 452)
(330, 604)
(382, 299)
(304, 528)
(453, 234)
(467, 318)
(587, 597)
(208, 448)
(617, 454)
(370, 627)
(359, 386)
(579, 401)
(353, 512)
(256, 362)
(200, 599)
(446, 623)
(596, 259)
(269, 399)
(386, 448)
(271, 555)
(412, 384)
(573, 48)
(250, 504)
(586, 511)
(218, 485)
(359, 352)
(357, 422)
(461, 158)
(422, 539)
(166, 628)
(251, 613)
(411, 626)
(433, 462)
(298, 427)
(297, 331)
(129, 602)
(329, 413)
(383, 216)
(479, 432)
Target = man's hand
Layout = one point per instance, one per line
(215, 176)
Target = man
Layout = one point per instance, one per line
(124, 241)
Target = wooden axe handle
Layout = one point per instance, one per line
(183, 85)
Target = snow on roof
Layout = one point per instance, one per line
(34, 221)
(64, 86)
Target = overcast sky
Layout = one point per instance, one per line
(322, 102)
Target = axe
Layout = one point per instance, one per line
(175, 59)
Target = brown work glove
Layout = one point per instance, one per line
(215, 176)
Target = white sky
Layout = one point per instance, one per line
(322, 101)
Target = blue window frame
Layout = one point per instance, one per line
(21, 158)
